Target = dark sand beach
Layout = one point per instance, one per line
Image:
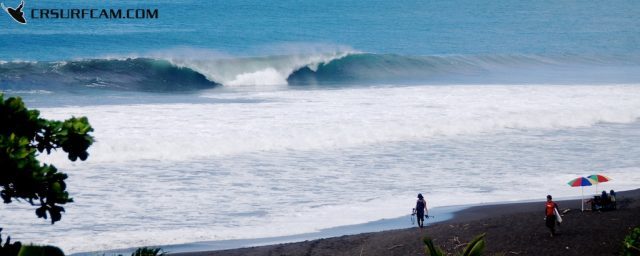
(512, 229)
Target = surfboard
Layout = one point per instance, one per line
(558, 217)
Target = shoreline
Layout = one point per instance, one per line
(444, 213)
(445, 216)
(512, 229)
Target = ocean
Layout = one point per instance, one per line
(226, 120)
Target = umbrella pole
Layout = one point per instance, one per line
(582, 201)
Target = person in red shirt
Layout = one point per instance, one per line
(550, 215)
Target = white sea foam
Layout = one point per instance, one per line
(327, 119)
(267, 76)
(264, 164)
(26, 91)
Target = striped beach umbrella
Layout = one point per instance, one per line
(581, 182)
(597, 178)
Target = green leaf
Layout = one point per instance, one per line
(431, 249)
(475, 247)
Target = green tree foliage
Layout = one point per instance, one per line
(474, 248)
(631, 243)
(24, 135)
(40, 250)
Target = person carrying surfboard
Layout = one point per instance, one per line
(421, 210)
(551, 208)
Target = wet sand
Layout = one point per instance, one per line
(512, 229)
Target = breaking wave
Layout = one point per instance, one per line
(125, 74)
(333, 68)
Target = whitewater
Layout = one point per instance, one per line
(241, 164)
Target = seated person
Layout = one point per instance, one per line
(596, 203)
(592, 203)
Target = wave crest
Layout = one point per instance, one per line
(270, 70)
(139, 74)
(324, 68)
